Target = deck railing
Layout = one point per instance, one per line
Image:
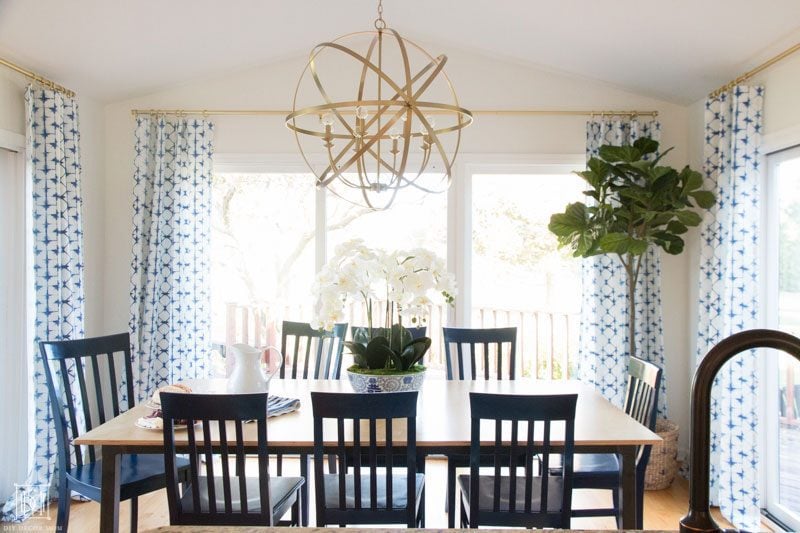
(547, 341)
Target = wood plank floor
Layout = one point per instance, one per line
(663, 509)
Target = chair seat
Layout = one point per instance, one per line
(591, 468)
(283, 492)
(399, 494)
(138, 474)
(486, 492)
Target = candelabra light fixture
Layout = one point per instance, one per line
(386, 118)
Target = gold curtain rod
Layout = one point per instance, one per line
(38, 79)
(749, 74)
(283, 113)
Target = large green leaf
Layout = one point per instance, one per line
(400, 337)
(414, 352)
(614, 154)
(378, 353)
(572, 220)
(689, 218)
(646, 145)
(704, 199)
(359, 352)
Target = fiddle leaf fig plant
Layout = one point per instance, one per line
(636, 203)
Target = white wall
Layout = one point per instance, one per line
(12, 118)
(481, 83)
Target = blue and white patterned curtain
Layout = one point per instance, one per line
(54, 161)
(603, 355)
(728, 292)
(170, 299)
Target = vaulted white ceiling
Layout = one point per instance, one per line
(673, 49)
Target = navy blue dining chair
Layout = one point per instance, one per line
(487, 353)
(522, 427)
(310, 354)
(224, 497)
(97, 373)
(363, 490)
(602, 470)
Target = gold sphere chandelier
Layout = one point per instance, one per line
(389, 118)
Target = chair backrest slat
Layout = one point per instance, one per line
(324, 361)
(204, 413)
(351, 413)
(498, 347)
(510, 411)
(641, 399)
(69, 361)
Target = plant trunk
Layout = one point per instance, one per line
(632, 314)
(632, 270)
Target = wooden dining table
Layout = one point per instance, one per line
(443, 427)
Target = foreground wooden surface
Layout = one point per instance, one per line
(662, 509)
(195, 529)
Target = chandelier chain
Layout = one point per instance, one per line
(380, 24)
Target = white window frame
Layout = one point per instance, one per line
(459, 201)
(777, 148)
(460, 205)
(14, 142)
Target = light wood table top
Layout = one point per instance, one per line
(442, 416)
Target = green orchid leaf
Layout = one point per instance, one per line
(400, 337)
(378, 354)
(415, 351)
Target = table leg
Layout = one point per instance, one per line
(109, 491)
(628, 482)
(304, 462)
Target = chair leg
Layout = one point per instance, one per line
(451, 493)
(134, 514)
(615, 497)
(62, 521)
(296, 506)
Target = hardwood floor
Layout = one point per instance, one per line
(663, 509)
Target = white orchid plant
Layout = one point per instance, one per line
(409, 281)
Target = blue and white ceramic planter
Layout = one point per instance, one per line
(386, 383)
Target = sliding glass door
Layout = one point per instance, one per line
(783, 379)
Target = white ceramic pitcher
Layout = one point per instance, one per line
(249, 373)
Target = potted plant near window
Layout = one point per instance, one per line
(636, 204)
(386, 358)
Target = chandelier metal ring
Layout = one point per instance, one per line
(360, 160)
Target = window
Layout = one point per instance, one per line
(783, 379)
(272, 229)
(519, 277)
(14, 296)
(262, 268)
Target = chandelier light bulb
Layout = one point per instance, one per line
(362, 113)
(326, 119)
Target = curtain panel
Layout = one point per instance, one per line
(605, 317)
(170, 296)
(728, 301)
(53, 153)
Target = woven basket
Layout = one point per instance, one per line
(663, 464)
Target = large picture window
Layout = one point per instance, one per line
(272, 231)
